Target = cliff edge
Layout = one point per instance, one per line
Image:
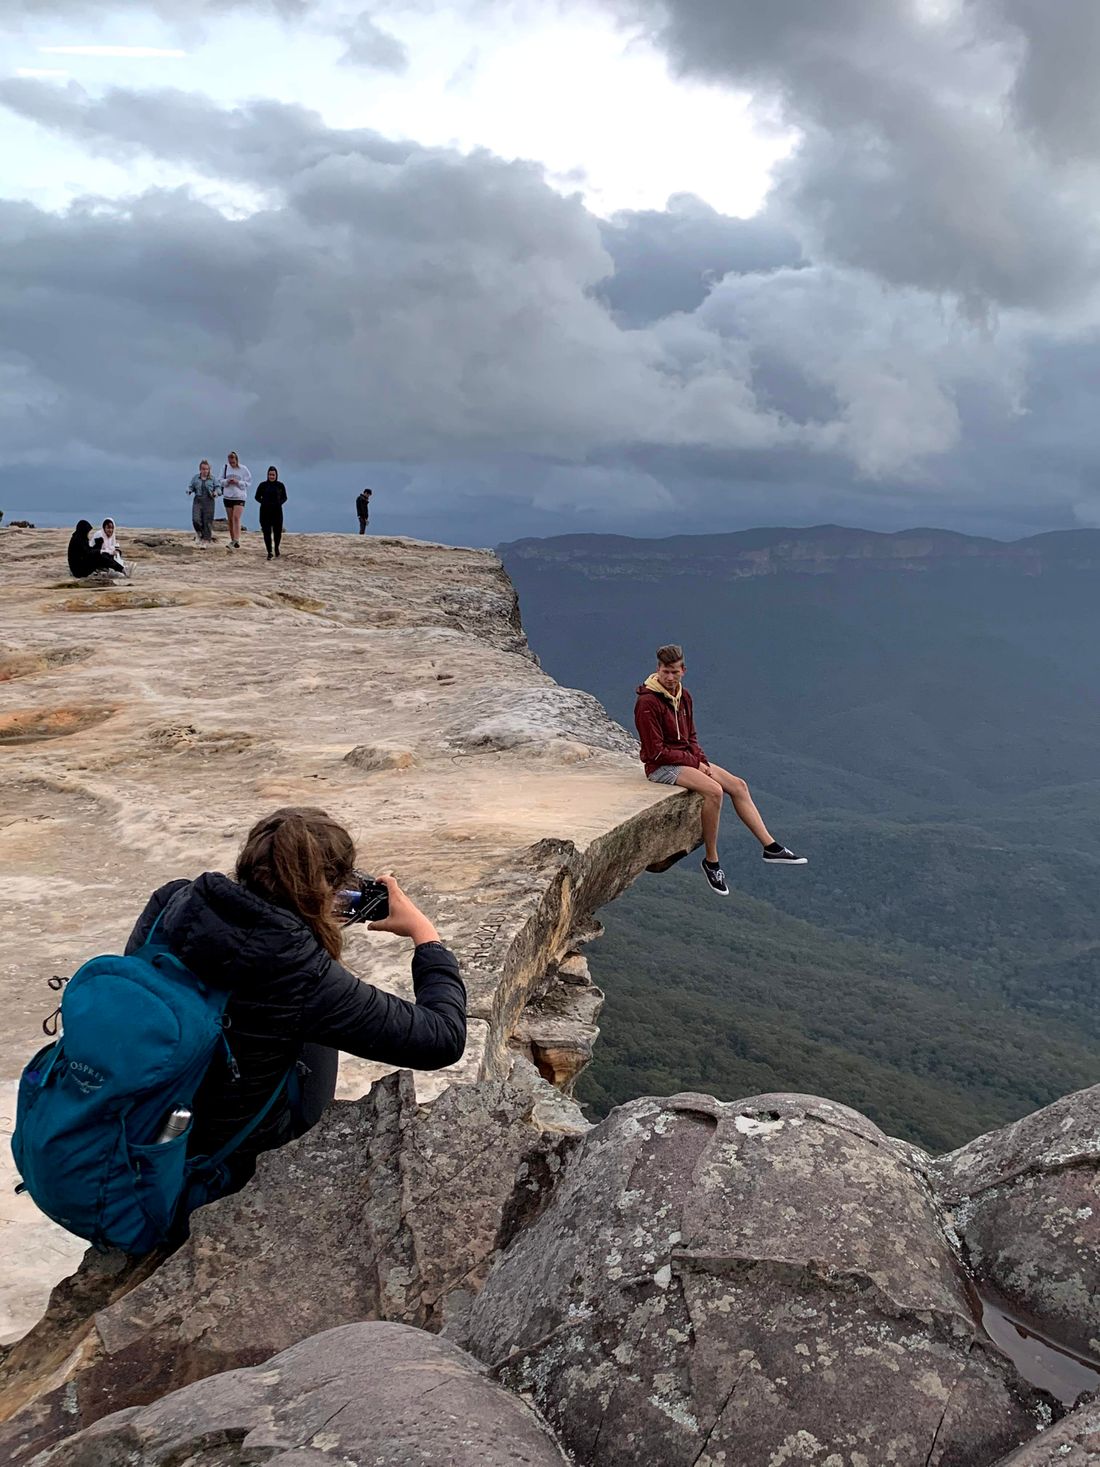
(143, 727)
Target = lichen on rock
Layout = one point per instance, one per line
(1026, 1204)
(731, 1283)
(382, 1394)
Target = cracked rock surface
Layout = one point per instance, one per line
(384, 1211)
(381, 1394)
(1072, 1442)
(765, 1281)
(1026, 1203)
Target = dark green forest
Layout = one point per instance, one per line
(927, 735)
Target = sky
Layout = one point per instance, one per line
(533, 267)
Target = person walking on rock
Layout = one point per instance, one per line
(206, 489)
(236, 482)
(671, 753)
(271, 496)
(362, 509)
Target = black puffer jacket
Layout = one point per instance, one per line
(284, 991)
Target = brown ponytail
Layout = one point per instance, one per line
(297, 857)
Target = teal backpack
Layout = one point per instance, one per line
(138, 1034)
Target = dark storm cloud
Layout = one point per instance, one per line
(455, 315)
(391, 302)
(909, 165)
(667, 260)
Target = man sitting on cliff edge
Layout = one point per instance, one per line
(671, 754)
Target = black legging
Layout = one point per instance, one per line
(98, 561)
(317, 1075)
(271, 522)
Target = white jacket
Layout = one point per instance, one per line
(239, 490)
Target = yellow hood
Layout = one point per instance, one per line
(654, 686)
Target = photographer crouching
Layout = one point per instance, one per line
(216, 1036)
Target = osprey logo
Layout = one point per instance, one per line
(85, 1077)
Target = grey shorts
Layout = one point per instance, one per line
(665, 773)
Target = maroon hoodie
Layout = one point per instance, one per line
(668, 736)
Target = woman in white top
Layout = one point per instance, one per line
(236, 482)
(106, 542)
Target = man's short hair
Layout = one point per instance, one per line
(666, 656)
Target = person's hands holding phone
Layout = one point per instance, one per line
(405, 917)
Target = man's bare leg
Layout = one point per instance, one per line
(743, 803)
(711, 791)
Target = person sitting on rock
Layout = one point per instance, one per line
(84, 559)
(106, 541)
(671, 754)
(272, 937)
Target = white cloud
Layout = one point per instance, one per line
(171, 53)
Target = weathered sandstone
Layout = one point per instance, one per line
(144, 727)
(384, 1211)
(1072, 1442)
(1026, 1203)
(364, 1393)
(765, 1281)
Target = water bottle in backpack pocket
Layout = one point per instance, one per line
(138, 1035)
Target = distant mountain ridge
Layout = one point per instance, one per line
(816, 550)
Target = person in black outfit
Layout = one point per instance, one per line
(271, 496)
(272, 938)
(362, 509)
(83, 560)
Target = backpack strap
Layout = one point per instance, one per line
(211, 1163)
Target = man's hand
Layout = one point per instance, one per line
(704, 766)
(405, 918)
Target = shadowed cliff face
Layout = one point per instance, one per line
(144, 728)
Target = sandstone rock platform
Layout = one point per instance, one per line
(382, 1394)
(144, 727)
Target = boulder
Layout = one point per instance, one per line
(765, 1281)
(373, 757)
(387, 1210)
(1026, 1204)
(382, 1394)
(1072, 1442)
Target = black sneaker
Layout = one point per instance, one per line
(716, 876)
(783, 857)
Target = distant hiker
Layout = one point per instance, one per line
(206, 489)
(236, 482)
(670, 751)
(198, 1037)
(106, 541)
(84, 560)
(362, 509)
(271, 496)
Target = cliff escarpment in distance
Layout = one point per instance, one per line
(144, 727)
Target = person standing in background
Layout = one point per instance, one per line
(236, 482)
(362, 509)
(271, 496)
(206, 489)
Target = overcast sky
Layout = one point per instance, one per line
(646, 266)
